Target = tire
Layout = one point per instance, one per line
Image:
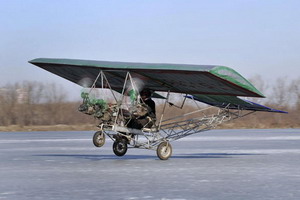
(164, 150)
(120, 147)
(99, 139)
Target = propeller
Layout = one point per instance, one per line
(85, 82)
(138, 84)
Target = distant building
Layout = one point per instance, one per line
(21, 95)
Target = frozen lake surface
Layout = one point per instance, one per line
(218, 164)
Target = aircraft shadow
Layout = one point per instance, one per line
(143, 157)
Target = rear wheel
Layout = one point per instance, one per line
(164, 150)
(99, 139)
(120, 147)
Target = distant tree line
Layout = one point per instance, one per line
(283, 93)
(34, 103)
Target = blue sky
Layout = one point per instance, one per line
(251, 36)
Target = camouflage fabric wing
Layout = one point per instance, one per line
(179, 78)
(211, 84)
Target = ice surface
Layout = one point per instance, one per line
(218, 164)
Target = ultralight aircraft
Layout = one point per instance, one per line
(218, 86)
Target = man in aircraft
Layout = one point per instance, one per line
(147, 118)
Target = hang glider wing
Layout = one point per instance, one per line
(178, 78)
(232, 102)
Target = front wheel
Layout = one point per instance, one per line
(99, 139)
(164, 150)
(120, 147)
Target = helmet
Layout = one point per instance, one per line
(146, 92)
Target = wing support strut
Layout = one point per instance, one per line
(174, 128)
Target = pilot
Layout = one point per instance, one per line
(145, 120)
(146, 98)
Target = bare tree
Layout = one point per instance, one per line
(281, 93)
(8, 104)
(258, 82)
(295, 90)
(55, 98)
(54, 93)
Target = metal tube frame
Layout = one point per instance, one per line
(170, 129)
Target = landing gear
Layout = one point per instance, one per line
(120, 146)
(164, 150)
(99, 139)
